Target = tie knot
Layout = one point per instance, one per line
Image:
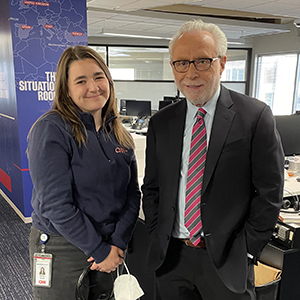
(201, 113)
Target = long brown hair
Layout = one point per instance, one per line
(65, 106)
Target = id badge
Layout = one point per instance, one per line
(42, 269)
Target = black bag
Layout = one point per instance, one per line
(95, 285)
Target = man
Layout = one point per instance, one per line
(208, 226)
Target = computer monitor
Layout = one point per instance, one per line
(164, 103)
(123, 105)
(138, 108)
(170, 98)
(288, 128)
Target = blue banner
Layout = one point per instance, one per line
(40, 32)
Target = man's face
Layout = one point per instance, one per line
(197, 86)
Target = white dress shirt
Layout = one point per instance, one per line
(179, 229)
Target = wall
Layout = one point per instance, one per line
(276, 43)
(282, 42)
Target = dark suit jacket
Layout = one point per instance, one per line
(242, 188)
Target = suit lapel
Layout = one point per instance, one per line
(176, 126)
(221, 125)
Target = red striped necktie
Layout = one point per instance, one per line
(192, 215)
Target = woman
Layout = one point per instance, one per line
(85, 191)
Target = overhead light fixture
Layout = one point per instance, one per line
(236, 41)
(136, 36)
(104, 32)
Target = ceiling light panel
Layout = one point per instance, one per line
(142, 27)
(145, 4)
(233, 4)
(111, 4)
(204, 2)
(166, 29)
(270, 8)
(263, 7)
(93, 16)
(112, 23)
(294, 2)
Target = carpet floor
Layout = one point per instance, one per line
(15, 283)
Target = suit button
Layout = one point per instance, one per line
(168, 237)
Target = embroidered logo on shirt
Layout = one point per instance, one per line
(120, 150)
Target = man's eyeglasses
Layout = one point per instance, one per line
(201, 64)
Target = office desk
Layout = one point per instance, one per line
(140, 131)
(291, 187)
(287, 260)
(128, 126)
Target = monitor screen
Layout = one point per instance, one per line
(123, 105)
(164, 103)
(168, 98)
(138, 108)
(288, 128)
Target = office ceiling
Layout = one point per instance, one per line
(239, 19)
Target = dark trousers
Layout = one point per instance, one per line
(67, 265)
(188, 274)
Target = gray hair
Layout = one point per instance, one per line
(199, 25)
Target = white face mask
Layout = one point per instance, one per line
(126, 286)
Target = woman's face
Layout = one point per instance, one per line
(88, 86)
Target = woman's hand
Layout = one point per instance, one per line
(111, 262)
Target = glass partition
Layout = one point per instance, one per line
(139, 63)
(101, 50)
(275, 82)
(235, 68)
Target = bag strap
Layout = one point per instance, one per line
(125, 268)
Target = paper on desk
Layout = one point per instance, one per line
(289, 216)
